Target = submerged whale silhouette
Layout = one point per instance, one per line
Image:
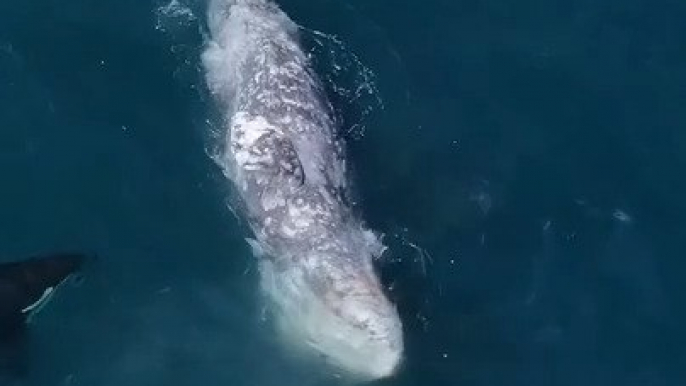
(25, 287)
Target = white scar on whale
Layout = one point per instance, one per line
(285, 160)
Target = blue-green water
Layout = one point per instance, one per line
(535, 151)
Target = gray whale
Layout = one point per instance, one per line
(283, 156)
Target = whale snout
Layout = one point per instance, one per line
(348, 323)
(374, 338)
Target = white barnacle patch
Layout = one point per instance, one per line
(304, 214)
(246, 131)
(272, 201)
(288, 231)
(288, 166)
(302, 222)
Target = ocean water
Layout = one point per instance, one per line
(525, 161)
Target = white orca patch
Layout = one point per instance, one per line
(41, 302)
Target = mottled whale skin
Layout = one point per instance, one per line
(26, 286)
(283, 155)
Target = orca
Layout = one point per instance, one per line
(25, 287)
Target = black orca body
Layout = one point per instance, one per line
(26, 286)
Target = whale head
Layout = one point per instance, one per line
(337, 310)
(360, 333)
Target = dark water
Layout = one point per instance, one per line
(527, 168)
